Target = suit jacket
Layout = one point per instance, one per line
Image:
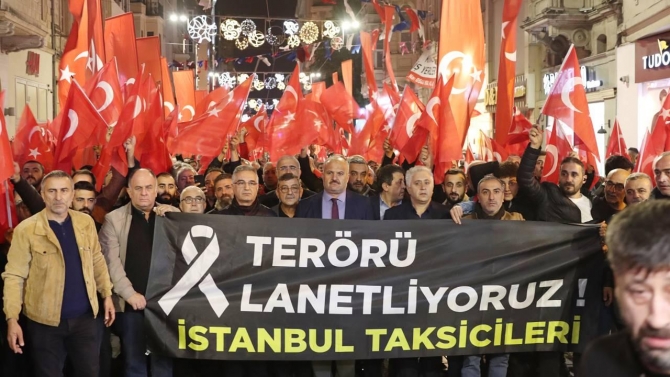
(114, 242)
(375, 205)
(357, 207)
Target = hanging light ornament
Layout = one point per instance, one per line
(270, 83)
(274, 36)
(242, 77)
(248, 27)
(258, 84)
(337, 43)
(309, 32)
(293, 41)
(253, 103)
(241, 44)
(308, 86)
(230, 29)
(281, 85)
(330, 30)
(227, 80)
(256, 38)
(200, 29)
(291, 27)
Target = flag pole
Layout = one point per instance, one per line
(8, 206)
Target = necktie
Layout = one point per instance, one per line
(335, 212)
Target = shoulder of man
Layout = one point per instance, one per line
(611, 356)
(81, 219)
(515, 216)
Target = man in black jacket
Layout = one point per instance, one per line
(662, 174)
(245, 203)
(639, 251)
(285, 164)
(613, 201)
(555, 203)
(391, 189)
(358, 176)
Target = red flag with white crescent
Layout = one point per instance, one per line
(567, 102)
(506, 70)
(104, 91)
(617, 145)
(255, 127)
(409, 112)
(31, 142)
(120, 43)
(184, 86)
(558, 148)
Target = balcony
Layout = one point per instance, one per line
(155, 9)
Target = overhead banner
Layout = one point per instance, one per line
(424, 71)
(223, 287)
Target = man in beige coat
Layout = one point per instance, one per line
(54, 269)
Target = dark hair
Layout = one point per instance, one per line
(222, 177)
(638, 237)
(663, 93)
(507, 169)
(85, 172)
(83, 185)
(574, 160)
(617, 162)
(633, 149)
(288, 177)
(214, 170)
(131, 174)
(33, 162)
(456, 172)
(87, 167)
(543, 153)
(385, 175)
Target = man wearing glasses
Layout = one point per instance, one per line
(245, 202)
(613, 202)
(285, 164)
(289, 192)
(192, 200)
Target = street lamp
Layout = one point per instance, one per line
(350, 25)
(178, 17)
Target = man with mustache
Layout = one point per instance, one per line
(662, 175)
(613, 201)
(391, 188)
(32, 173)
(166, 190)
(289, 192)
(223, 190)
(358, 175)
(638, 188)
(639, 252)
(210, 192)
(84, 199)
(454, 186)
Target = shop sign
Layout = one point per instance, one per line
(652, 58)
(587, 74)
(491, 94)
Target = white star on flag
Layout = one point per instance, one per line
(214, 112)
(665, 113)
(34, 153)
(289, 116)
(476, 75)
(66, 74)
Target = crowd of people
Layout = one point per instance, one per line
(75, 269)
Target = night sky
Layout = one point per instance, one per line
(256, 8)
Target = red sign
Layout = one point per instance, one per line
(33, 64)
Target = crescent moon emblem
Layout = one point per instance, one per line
(567, 88)
(81, 55)
(497, 156)
(190, 109)
(444, 68)
(511, 56)
(168, 105)
(109, 94)
(551, 150)
(130, 81)
(290, 89)
(32, 131)
(411, 124)
(211, 104)
(138, 107)
(429, 107)
(256, 121)
(74, 123)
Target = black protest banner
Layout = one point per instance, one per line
(224, 287)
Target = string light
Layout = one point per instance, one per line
(293, 41)
(241, 44)
(258, 84)
(275, 36)
(291, 27)
(200, 29)
(337, 43)
(227, 80)
(330, 30)
(309, 32)
(270, 83)
(256, 38)
(248, 27)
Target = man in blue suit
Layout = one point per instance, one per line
(335, 202)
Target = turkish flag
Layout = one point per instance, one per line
(6, 158)
(166, 86)
(104, 91)
(587, 158)
(558, 148)
(409, 111)
(207, 134)
(132, 118)
(518, 132)
(341, 106)
(499, 152)
(506, 70)
(120, 43)
(654, 143)
(461, 54)
(156, 156)
(485, 151)
(317, 90)
(313, 115)
(184, 86)
(153, 113)
(8, 218)
(31, 142)
(368, 66)
(211, 99)
(149, 54)
(362, 137)
(617, 145)
(255, 127)
(387, 20)
(72, 65)
(80, 121)
(282, 126)
(448, 148)
(567, 101)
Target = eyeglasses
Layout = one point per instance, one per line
(284, 189)
(243, 183)
(191, 200)
(617, 186)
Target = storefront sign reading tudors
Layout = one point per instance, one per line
(658, 60)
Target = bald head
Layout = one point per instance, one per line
(192, 200)
(615, 184)
(335, 175)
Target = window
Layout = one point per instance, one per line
(601, 44)
(150, 33)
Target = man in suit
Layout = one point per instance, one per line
(391, 189)
(285, 164)
(128, 264)
(335, 202)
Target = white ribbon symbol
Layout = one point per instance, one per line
(196, 272)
